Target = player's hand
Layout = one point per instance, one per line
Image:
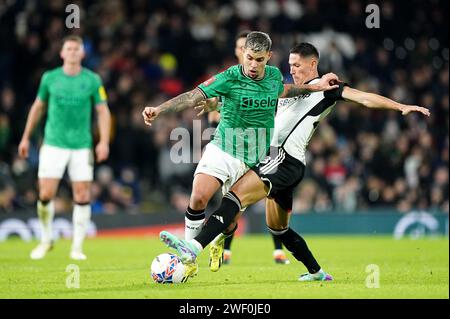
(101, 152)
(327, 82)
(205, 106)
(24, 147)
(414, 108)
(150, 114)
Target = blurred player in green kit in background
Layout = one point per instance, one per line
(68, 94)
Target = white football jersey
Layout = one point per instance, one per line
(298, 117)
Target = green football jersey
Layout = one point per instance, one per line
(70, 100)
(248, 111)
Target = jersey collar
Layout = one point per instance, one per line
(307, 82)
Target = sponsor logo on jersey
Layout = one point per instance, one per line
(249, 102)
(209, 81)
(304, 96)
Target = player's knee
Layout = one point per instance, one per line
(81, 196)
(277, 230)
(45, 195)
(199, 200)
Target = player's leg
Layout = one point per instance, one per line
(81, 171)
(279, 255)
(222, 219)
(227, 250)
(217, 253)
(46, 207)
(81, 217)
(246, 191)
(211, 173)
(52, 164)
(204, 187)
(220, 247)
(46, 212)
(277, 219)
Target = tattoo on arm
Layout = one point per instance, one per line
(182, 101)
(291, 90)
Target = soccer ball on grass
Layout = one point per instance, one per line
(167, 268)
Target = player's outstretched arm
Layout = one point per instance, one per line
(327, 82)
(372, 100)
(37, 109)
(177, 104)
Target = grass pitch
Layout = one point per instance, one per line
(119, 268)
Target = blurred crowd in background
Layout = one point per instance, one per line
(149, 51)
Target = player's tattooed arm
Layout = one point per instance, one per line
(209, 105)
(291, 90)
(177, 104)
(327, 82)
(182, 101)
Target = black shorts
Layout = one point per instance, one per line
(281, 173)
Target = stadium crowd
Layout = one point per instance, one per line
(147, 51)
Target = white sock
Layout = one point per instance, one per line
(196, 244)
(81, 218)
(192, 228)
(278, 252)
(46, 214)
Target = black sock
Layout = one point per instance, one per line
(220, 219)
(227, 243)
(298, 247)
(277, 242)
(44, 202)
(192, 214)
(82, 203)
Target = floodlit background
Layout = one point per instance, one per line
(359, 160)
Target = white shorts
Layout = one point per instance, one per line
(216, 162)
(54, 160)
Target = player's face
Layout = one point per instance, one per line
(255, 62)
(239, 49)
(302, 69)
(72, 52)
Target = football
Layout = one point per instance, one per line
(167, 268)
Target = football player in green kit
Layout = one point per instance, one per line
(279, 256)
(68, 94)
(249, 98)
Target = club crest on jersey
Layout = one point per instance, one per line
(209, 81)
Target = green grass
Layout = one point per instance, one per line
(119, 268)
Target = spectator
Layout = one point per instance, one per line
(147, 51)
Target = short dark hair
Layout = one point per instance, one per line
(305, 49)
(242, 34)
(258, 41)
